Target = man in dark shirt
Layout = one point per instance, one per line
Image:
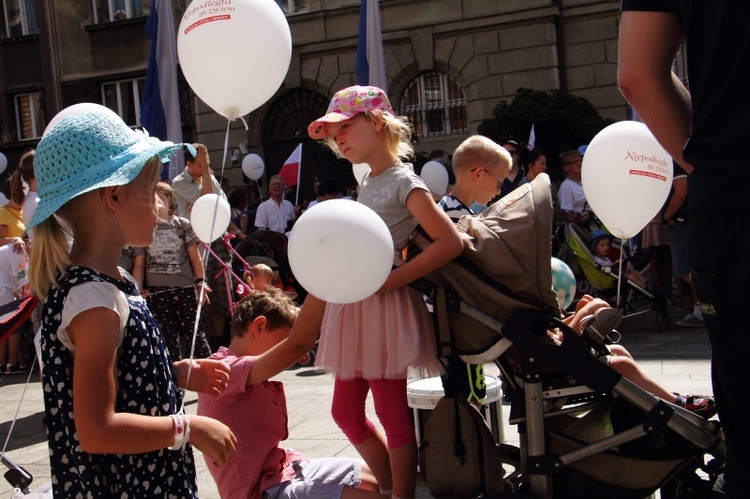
(706, 130)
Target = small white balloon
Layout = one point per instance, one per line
(626, 177)
(3, 199)
(253, 166)
(3, 162)
(340, 251)
(209, 219)
(78, 110)
(360, 170)
(435, 176)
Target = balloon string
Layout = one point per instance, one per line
(619, 272)
(205, 265)
(260, 193)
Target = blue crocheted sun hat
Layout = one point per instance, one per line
(88, 152)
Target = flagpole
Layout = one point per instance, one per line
(299, 174)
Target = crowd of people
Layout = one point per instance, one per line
(119, 423)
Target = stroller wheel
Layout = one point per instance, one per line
(688, 484)
(510, 456)
(308, 359)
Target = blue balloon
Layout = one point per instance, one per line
(563, 282)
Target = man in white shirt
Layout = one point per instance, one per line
(570, 196)
(275, 213)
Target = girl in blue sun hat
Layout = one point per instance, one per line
(113, 413)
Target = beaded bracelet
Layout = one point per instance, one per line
(179, 432)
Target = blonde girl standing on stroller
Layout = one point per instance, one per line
(112, 407)
(373, 344)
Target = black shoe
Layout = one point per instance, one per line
(17, 369)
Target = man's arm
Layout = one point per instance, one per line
(648, 44)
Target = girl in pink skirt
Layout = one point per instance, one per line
(376, 344)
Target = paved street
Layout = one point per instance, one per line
(677, 358)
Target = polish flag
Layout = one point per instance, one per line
(290, 172)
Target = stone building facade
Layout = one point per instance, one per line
(448, 63)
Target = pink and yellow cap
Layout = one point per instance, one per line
(346, 104)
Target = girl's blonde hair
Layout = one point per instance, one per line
(398, 134)
(168, 192)
(50, 252)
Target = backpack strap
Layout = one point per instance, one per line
(443, 336)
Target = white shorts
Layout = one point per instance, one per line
(322, 478)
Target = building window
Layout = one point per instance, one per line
(436, 105)
(117, 10)
(293, 6)
(30, 119)
(124, 98)
(19, 18)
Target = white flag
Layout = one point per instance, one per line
(532, 139)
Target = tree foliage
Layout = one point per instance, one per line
(562, 121)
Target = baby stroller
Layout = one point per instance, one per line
(584, 430)
(604, 280)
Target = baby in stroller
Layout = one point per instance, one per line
(600, 243)
(595, 319)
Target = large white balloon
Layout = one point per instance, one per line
(360, 170)
(78, 110)
(253, 166)
(626, 177)
(234, 82)
(3, 162)
(202, 217)
(435, 176)
(340, 251)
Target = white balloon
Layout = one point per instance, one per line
(626, 177)
(3, 162)
(360, 170)
(253, 166)
(435, 176)
(340, 251)
(204, 212)
(234, 82)
(78, 110)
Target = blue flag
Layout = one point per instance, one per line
(370, 60)
(160, 106)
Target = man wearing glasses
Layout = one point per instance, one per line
(570, 196)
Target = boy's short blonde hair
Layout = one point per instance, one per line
(261, 270)
(272, 303)
(479, 151)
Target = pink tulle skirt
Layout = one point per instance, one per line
(383, 336)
